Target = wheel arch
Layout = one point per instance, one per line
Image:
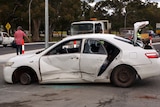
(127, 66)
(119, 66)
(22, 69)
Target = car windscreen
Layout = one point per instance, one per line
(82, 28)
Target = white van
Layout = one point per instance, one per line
(6, 39)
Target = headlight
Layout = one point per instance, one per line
(9, 63)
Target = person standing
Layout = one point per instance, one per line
(18, 35)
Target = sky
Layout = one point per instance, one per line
(142, 0)
(158, 1)
(110, 12)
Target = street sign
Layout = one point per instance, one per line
(8, 26)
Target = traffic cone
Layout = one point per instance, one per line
(150, 40)
(22, 46)
(74, 44)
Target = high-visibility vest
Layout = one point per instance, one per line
(138, 35)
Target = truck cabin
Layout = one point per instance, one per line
(85, 27)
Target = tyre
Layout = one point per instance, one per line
(4, 45)
(25, 78)
(123, 76)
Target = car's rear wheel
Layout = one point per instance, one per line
(25, 78)
(123, 76)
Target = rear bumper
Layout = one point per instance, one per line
(149, 70)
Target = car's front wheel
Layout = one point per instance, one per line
(123, 76)
(25, 78)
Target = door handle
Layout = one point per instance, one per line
(74, 58)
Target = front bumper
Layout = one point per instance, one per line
(8, 73)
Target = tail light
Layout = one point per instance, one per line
(152, 55)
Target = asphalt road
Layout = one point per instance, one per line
(28, 46)
(145, 93)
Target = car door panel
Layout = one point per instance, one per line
(60, 66)
(90, 65)
(92, 59)
(47, 69)
(62, 62)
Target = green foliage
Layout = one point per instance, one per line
(63, 12)
(136, 10)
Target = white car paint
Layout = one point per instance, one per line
(90, 73)
(86, 58)
(5, 39)
(84, 67)
(60, 65)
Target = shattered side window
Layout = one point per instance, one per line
(95, 47)
(72, 46)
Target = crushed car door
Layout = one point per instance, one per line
(62, 62)
(93, 58)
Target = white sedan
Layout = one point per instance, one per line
(85, 58)
(6, 39)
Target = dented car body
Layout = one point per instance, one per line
(85, 58)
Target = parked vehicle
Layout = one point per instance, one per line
(90, 27)
(151, 33)
(6, 39)
(127, 33)
(158, 29)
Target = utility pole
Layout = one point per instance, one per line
(30, 17)
(125, 18)
(46, 24)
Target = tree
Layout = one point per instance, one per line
(87, 10)
(37, 11)
(62, 13)
(136, 10)
(12, 12)
(103, 9)
(142, 11)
